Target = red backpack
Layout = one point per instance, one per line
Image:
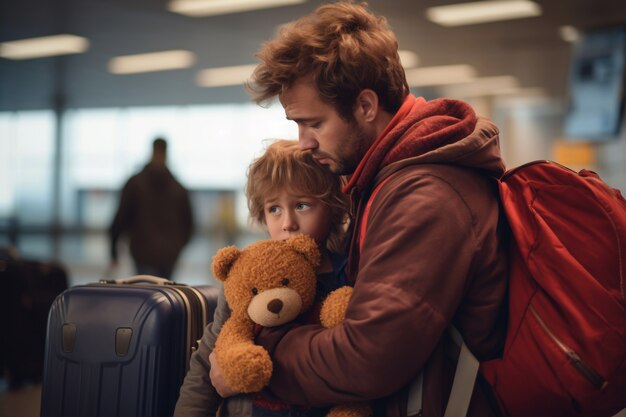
(565, 349)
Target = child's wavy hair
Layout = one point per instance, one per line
(285, 165)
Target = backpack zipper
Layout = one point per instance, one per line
(583, 368)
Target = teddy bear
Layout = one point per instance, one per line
(269, 283)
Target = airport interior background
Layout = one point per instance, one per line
(76, 123)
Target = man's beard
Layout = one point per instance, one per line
(352, 151)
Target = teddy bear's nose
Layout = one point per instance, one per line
(275, 306)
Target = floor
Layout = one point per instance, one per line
(19, 403)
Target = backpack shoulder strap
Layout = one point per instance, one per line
(464, 378)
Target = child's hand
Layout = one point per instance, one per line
(217, 379)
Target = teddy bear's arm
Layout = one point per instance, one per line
(334, 307)
(332, 314)
(246, 367)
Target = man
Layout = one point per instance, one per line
(433, 254)
(155, 214)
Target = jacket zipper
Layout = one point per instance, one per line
(583, 368)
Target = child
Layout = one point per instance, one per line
(288, 192)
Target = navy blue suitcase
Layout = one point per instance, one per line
(122, 348)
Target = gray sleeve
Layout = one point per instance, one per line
(197, 397)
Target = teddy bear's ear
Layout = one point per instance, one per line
(223, 261)
(306, 246)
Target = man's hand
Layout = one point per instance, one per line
(217, 379)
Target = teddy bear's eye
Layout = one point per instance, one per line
(255, 291)
(285, 281)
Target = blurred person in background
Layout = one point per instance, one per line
(155, 215)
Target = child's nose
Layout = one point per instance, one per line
(289, 223)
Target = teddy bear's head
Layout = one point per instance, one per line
(271, 281)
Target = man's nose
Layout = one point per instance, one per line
(306, 139)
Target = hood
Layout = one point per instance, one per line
(436, 131)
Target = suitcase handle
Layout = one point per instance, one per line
(140, 278)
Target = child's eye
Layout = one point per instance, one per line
(302, 206)
(273, 210)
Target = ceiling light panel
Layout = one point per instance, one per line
(150, 62)
(196, 8)
(482, 12)
(225, 76)
(504, 84)
(409, 59)
(569, 33)
(45, 46)
(440, 75)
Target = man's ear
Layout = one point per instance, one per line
(366, 105)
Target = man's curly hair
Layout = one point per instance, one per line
(343, 48)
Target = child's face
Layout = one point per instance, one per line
(287, 214)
